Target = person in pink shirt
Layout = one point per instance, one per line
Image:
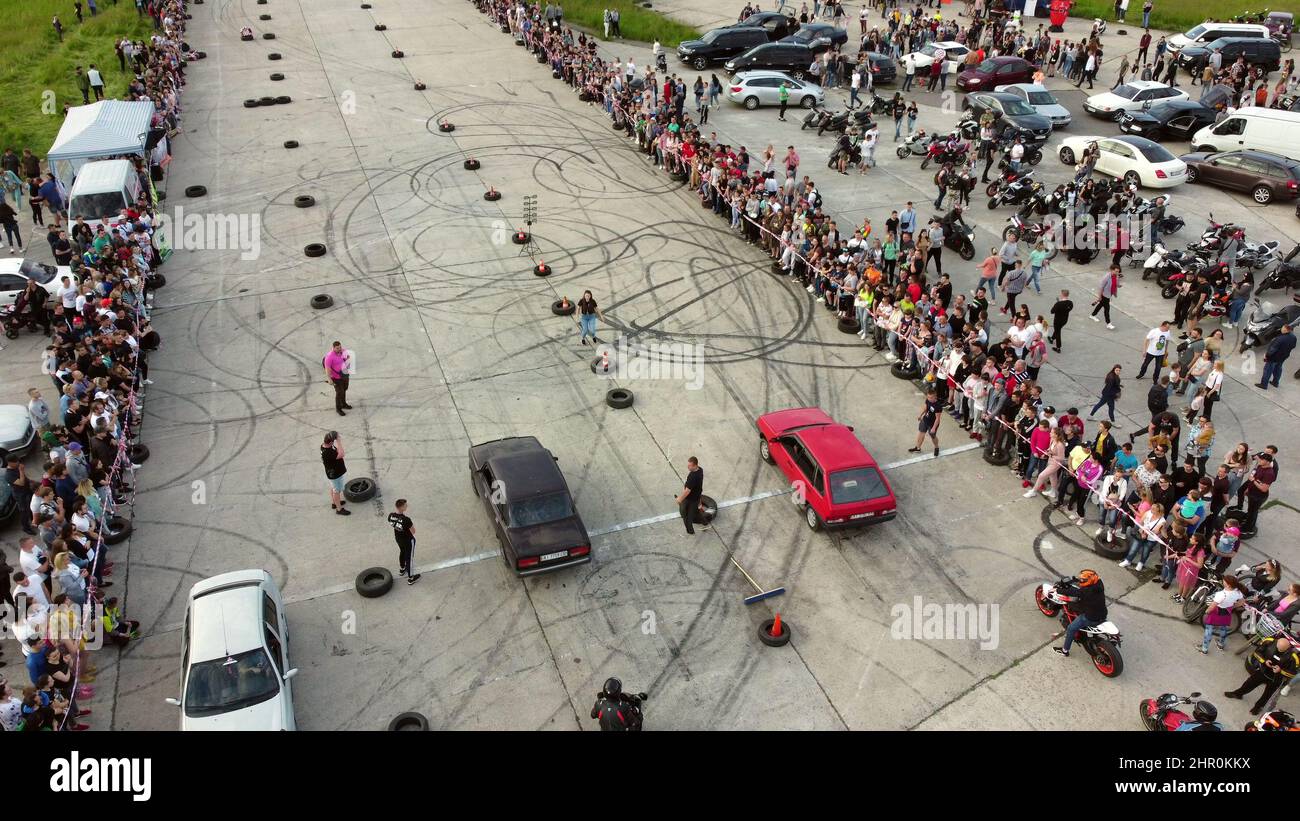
(335, 363)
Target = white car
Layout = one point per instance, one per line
(755, 88)
(952, 53)
(16, 271)
(235, 672)
(1131, 96)
(17, 435)
(1135, 159)
(1042, 101)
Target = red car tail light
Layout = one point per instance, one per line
(1291, 184)
(531, 561)
(735, 89)
(580, 551)
(1160, 175)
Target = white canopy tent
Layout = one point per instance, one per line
(109, 128)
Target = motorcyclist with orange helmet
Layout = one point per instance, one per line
(1087, 596)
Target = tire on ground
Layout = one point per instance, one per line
(322, 301)
(1109, 550)
(849, 325)
(195, 191)
(290, 143)
(304, 201)
(619, 398)
(765, 633)
(362, 489)
(315, 249)
(409, 722)
(139, 453)
(559, 308)
(117, 530)
(374, 582)
(997, 458)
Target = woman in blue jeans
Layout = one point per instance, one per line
(588, 311)
(1151, 526)
(1218, 618)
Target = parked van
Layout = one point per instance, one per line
(102, 189)
(1209, 32)
(1263, 129)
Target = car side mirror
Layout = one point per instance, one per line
(1146, 106)
(850, 427)
(556, 458)
(175, 702)
(290, 674)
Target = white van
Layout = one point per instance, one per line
(1263, 129)
(102, 189)
(1209, 32)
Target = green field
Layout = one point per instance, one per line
(640, 24)
(1169, 15)
(37, 71)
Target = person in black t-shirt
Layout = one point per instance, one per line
(1060, 316)
(928, 422)
(404, 533)
(688, 501)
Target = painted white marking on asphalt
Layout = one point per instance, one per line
(1047, 545)
(928, 456)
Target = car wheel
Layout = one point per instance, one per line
(1132, 178)
(700, 63)
(810, 516)
(1262, 194)
(360, 490)
(765, 451)
(798, 75)
(116, 530)
(808, 101)
(409, 722)
(1191, 173)
(619, 398)
(751, 103)
(374, 582)
(1067, 156)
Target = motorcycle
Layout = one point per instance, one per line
(1168, 225)
(1264, 323)
(839, 121)
(1017, 192)
(1285, 276)
(918, 142)
(1210, 582)
(968, 126)
(1006, 176)
(1032, 232)
(1101, 641)
(878, 104)
(1159, 714)
(661, 63)
(1259, 255)
(1171, 280)
(815, 117)
(854, 152)
(962, 241)
(1273, 721)
(938, 152)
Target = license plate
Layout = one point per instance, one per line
(559, 555)
(1176, 172)
(861, 515)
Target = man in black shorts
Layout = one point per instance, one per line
(688, 501)
(404, 533)
(928, 422)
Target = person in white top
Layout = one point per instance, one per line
(1218, 618)
(1150, 530)
(1156, 346)
(1213, 388)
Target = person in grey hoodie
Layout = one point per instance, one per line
(1106, 291)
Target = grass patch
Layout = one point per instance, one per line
(38, 72)
(641, 24)
(1169, 15)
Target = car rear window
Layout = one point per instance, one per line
(38, 271)
(1041, 98)
(540, 509)
(857, 485)
(1155, 152)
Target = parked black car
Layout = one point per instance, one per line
(530, 505)
(1179, 119)
(1012, 115)
(883, 67)
(789, 57)
(776, 24)
(719, 45)
(818, 33)
(1267, 176)
(1257, 51)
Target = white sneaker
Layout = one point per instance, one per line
(136, 467)
(1110, 537)
(889, 357)
(1124, 563)
(1094, 318)
(1110, 326)
(1051, 497)
(148, 381)
(1098, 533)
(811, 289)
(1028, 493)
(1138, 567)
(1078, 520)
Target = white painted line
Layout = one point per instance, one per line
(926, 456)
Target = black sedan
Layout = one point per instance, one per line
(883, 68)
(530, 505)
(776, 24)
(1177, 118)
(1012, 115)
(818, 33)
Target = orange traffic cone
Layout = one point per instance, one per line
(604, 361)
(776, 626)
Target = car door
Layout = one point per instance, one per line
(808, 478)
(1181, 124)
(1230, 132)
(185, 658)
(1010, 73)
(1250, 172)
(11, 285)
(1225, 171)
(1125, 158)
(275, 633)
(1108, 158)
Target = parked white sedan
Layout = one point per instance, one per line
(756, 88)
(1041, 100)
(1134, 159)
(1131, 96)
(16, 271)
(235, 670)
(924, 58)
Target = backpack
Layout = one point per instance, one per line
(614, 716)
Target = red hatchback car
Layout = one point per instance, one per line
(842, 485)
(996, 71)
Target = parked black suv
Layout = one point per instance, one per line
(719, 45)
(1258, 51)
(776, 24)
(818, 32)
(788, 57)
